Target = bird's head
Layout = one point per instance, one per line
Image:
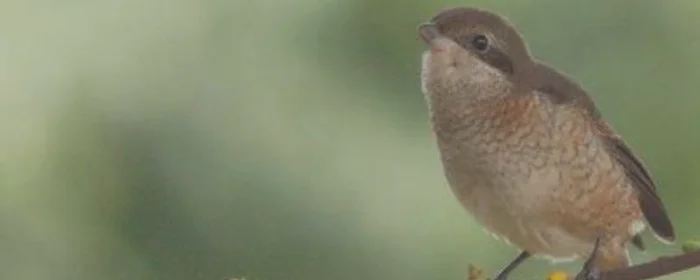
(472, 51)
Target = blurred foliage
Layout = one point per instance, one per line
(691, 246)
(210, 139)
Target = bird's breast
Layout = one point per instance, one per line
(500, 137)
(499, 160)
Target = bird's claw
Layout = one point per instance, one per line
(589, 271)
(500, 276)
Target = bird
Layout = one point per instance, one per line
(525, 150)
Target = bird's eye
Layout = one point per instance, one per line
(480, 42)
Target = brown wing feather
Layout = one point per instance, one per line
(562, 90)
(649, 201)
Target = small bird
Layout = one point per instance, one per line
(525, 150)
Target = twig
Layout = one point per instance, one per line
(659, 267)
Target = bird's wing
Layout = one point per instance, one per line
(649, 201)
(561, 90)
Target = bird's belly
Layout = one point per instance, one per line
(523, 225)
(538, 208)
(513, 209)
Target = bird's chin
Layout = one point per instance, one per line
(439, 45)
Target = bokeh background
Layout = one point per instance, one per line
(211, 139)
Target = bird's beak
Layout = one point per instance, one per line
(428, 32)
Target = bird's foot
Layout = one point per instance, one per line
(589, 270)
(503, 275)
(588, 273)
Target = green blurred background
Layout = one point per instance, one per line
(210, 139)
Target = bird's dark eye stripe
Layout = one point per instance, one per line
(497, 59)
(492, 55)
